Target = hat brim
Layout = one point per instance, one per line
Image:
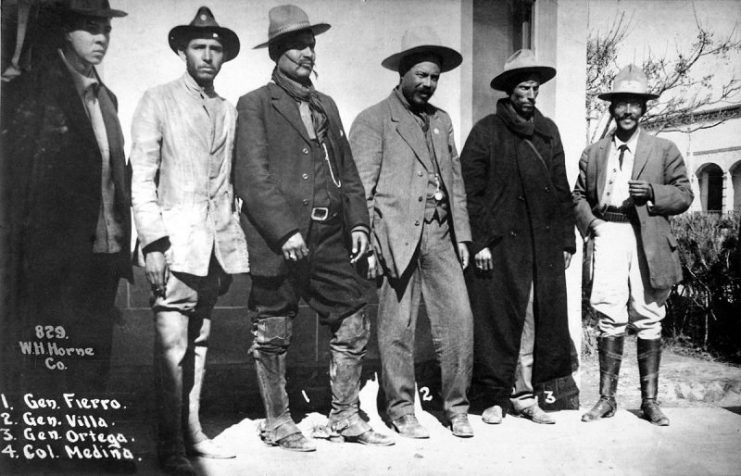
(503, 81)
(229, 40)
(450, 58)
(317, 29)
(98, 13)
(612, 95)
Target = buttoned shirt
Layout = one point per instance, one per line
(108, 233)
(616, 181)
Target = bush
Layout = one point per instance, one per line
(704, 311)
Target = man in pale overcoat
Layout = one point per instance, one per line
(629, 184)
(188, 226)
(407, 160)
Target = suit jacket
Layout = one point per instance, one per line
(390, 150)
(180, 189)
(659, 162)
(55, 178)
(274, 174)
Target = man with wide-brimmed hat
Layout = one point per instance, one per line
(306, 224)
(70, 206)
(522, 219)
(629, 183)
(188, 227)
(407, 159)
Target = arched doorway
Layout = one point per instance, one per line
(736, 179)
(711, 188)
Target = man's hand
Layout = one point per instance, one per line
(156, 271)
(359, 245)
(483, 260)
(463, 254)
(640, 189)
(295, 248)
(566, 259)
(595, 226)
(374, 268)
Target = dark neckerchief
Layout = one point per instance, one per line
(515, 123)
(305, 93)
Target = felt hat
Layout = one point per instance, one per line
(521, 63)
(91, 8)
(285, 19)
(629, 80)
(204, 24)
(423, 40)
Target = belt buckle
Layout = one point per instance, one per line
(319, 213)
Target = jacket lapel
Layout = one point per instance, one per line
(603, 154)
(640, 158)
(440, 142)
(71, 104)
(287, 107)
(408, 129)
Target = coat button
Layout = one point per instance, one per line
(305, 202)
(548, 227)
(305, 176)
(547, 189)
(305, 150)
(521, 198)
(416, 223)
(513, 233)
(419, 199)
(419, 172)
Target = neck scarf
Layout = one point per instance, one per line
(305, 93)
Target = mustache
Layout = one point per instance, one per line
(307, 63)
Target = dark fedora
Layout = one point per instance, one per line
(285, 19)
(423, 40)
(521, 62)
(630, 80)
(204, 26)
(91, 8)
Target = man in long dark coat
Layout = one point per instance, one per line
(523, 238)
(70, 202)
(306, 224)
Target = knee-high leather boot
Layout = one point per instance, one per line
(610, 358)
(649, 358)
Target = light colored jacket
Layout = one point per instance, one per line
(391, 153)
(659, 162)
(180, 189)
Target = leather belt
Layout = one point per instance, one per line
(615, 215)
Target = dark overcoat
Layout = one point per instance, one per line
(520, 207)
(55, 171)
(274, 174)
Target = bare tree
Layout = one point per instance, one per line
(685, 85)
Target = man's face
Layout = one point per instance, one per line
(523, 97)
(627, 111)
(297, 61)
(419, 83)
(89, 38)
(203, 59)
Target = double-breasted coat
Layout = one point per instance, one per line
(520, 207)
(659, 162)
(274, 174)
(391, 150)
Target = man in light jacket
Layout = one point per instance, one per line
(188, 226)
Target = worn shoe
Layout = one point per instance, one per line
(460, 426)
(652, 412)
(408, 426)
(492, 415)
(296, 442)
(604, 408)
(177, 464)
(535, 414)
(209, 449)
(371, 437)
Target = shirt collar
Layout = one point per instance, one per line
(194, 88)
(82, 82)
(631, 143)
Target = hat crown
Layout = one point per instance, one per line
(421, 36)
(521, 59)
(630, 79)
(96, 8)
(204, 19)
(286, 18)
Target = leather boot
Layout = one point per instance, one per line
(649, 358)
(170, 349)
(610, 357)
